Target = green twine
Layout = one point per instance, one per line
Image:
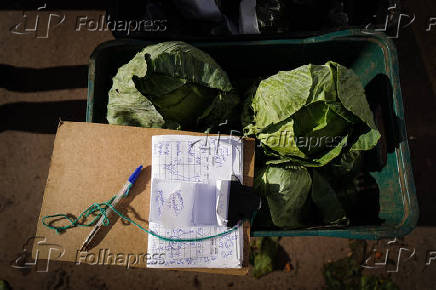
(100, 210)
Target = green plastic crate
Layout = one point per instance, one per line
(373, 58)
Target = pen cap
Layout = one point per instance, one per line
(135, 174)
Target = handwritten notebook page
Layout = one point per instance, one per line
(182, 168)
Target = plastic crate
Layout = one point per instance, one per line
(373, 58)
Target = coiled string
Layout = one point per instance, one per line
(99, 209)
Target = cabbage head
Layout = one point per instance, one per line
(171, 85)
(312, 114)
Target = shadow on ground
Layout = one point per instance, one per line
(40, 117)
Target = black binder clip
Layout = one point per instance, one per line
(243, 202)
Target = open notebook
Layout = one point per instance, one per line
(186, 197)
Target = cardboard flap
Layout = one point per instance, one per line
(90, 163)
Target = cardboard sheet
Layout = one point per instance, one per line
(90, 163)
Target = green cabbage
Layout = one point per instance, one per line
(287, 190)
(171, 85)
(312, 116)
(307, 116)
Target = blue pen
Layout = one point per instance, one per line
(109, 212)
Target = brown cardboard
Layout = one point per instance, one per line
(90, 163)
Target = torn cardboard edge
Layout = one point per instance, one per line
(89, 163)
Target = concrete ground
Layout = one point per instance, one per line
(31, 106)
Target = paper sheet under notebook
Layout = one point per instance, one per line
(185, 170)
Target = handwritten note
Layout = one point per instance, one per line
(220, 252)
(183, 202)
(202, 159)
